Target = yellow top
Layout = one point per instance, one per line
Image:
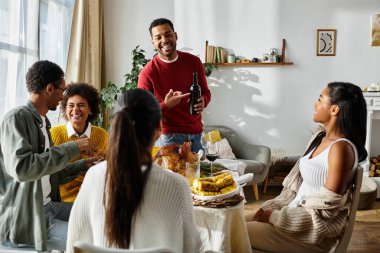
(59, 135)
(99, 138)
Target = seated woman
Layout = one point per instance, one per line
(310, 213)
(128, 202)
(80, 105)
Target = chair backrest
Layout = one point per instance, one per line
(345, 240)
(84, 247)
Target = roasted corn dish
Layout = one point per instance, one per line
(212, 186)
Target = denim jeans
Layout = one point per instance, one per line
(15, 245)
(57, 216)
(179, 138)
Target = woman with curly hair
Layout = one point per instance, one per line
(80, 106)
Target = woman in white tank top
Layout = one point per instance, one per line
(309, 214)
(314, 171)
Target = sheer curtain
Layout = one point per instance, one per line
(30, 30)
(18, 50)
(55, 28)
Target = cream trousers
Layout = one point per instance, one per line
(264, 237)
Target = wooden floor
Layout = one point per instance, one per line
(365, 237)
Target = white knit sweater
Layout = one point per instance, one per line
(318, 219)
(165, 217)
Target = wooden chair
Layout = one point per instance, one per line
(342, 245)
(346, 237)
(84, 247)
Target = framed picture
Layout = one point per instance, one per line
(375, 34)
(326, 42)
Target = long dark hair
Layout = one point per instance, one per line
(352, 120)
(133, 127)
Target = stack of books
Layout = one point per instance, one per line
(216, 54)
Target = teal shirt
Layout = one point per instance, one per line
(23, 162)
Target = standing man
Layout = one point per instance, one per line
(30, 167)
(169, 77)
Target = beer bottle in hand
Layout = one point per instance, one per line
(195, 94)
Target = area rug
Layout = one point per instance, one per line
(252, 207)
(372, 215)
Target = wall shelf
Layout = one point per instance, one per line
(251, 64)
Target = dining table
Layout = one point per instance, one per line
(223, 229)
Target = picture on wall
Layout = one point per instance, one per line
(326, 42)
(375, 34)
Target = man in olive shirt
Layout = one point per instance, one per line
(31, 168)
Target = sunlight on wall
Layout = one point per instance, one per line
(252, 111)
(265, 105)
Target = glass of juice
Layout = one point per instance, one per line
(193, 170)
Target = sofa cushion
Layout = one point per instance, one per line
(256, 157)
(252, 166)
(215, 136)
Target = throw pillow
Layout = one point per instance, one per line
(214, 135)
(225, 150)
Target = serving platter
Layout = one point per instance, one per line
(220, 196)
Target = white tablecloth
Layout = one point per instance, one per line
(233, 165)
(223, 229)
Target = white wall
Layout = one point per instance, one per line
(265, 105)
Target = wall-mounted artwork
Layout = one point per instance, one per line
(375, 35)
(326, 42)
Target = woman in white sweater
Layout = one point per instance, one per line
(311, 212)
(128, 202)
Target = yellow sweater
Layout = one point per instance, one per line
(98, 137)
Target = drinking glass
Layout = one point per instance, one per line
(212, 151)
(203, 144)
(192, 171)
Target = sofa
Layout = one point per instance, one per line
(256, 157)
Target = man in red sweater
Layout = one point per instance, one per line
(169, 77)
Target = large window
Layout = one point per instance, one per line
(30, 30)
(55, 28)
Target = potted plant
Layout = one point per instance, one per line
(108, 94)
